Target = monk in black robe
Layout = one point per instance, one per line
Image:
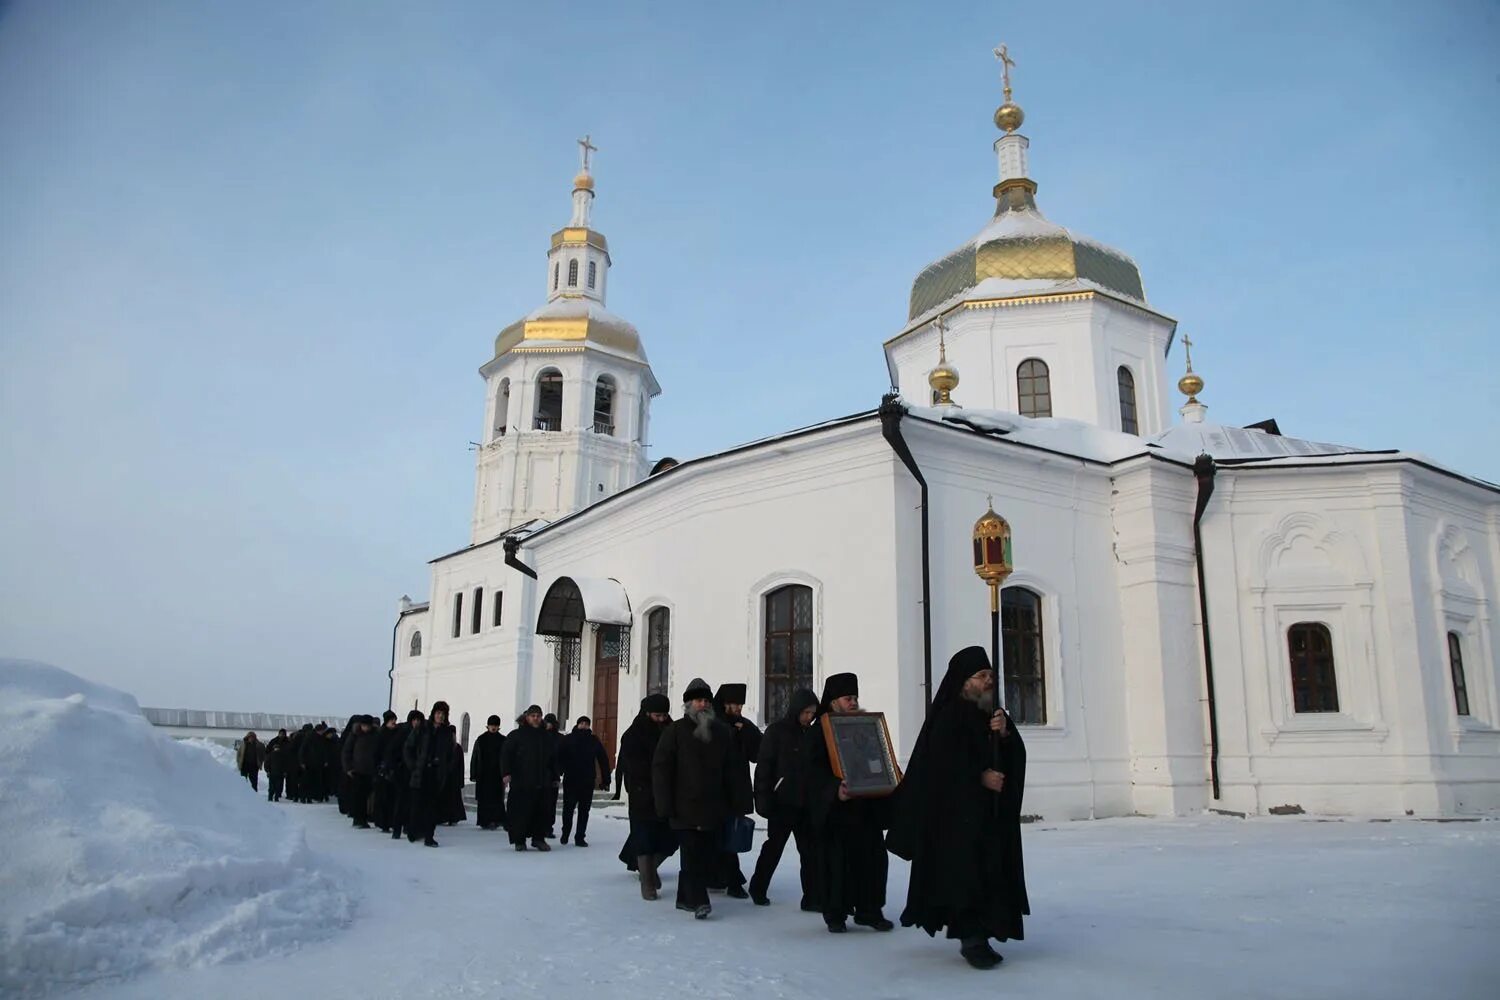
(484, 771)
(852, 862)
(958, 816)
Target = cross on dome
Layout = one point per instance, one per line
(585, 147)
(1009, 115)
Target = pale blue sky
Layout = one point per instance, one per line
(251, 256)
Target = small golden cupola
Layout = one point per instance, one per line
(944, 378)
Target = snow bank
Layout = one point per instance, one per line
(125, 851)
(218, 751)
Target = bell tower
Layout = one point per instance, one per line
(568, 390)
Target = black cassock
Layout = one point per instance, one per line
(489, 787)
(851, 855)
(963, 840)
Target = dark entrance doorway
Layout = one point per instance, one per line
(607, 656)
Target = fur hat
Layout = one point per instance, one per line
(697, 688)
(439, 706)
(583, 719)
(837, 686)
(415, 715)
(533, 710)
(730, 694)
(493, 720)
(656, 703)
(388, 716)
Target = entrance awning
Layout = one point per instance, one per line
(573, 600)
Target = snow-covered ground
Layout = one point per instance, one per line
(1129, 908)
(134, 866)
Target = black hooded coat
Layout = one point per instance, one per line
(963, 841)
(781, 773)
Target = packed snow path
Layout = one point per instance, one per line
(1128, 908)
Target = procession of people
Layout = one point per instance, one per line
(692, 784)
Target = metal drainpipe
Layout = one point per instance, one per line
(1204, 471)
(891, 412)
(512, 546)
(390, 695)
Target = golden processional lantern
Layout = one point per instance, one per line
(992, 551)
(992, 564)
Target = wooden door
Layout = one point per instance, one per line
(607, 689)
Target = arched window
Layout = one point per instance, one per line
(549, 400)
(1128, 422)
(788, 662)
(458, 614)
(1314, 686)
(502, 407)
(658, 646)
(416, 644)
(463, 733)
(593, 272)
(555, 268)
(499, 606)
(476, 614)
(573, 274)
(1456, 667)
(604, 405)
(1023, 656)
(1034, 389)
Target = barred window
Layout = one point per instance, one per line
(788, 662)
(572, 274)
(593, 271)
(1314, 684)
(1023, 655)
(658, 648)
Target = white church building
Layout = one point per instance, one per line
(1201, 615)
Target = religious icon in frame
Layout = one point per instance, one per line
(861, 752)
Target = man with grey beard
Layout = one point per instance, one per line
(958, 816)
(699, 782)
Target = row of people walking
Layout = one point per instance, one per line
(955, 816)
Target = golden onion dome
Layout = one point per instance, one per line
(1190, 385)
(1028, 254)
(583, 182)
(1009, 116)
